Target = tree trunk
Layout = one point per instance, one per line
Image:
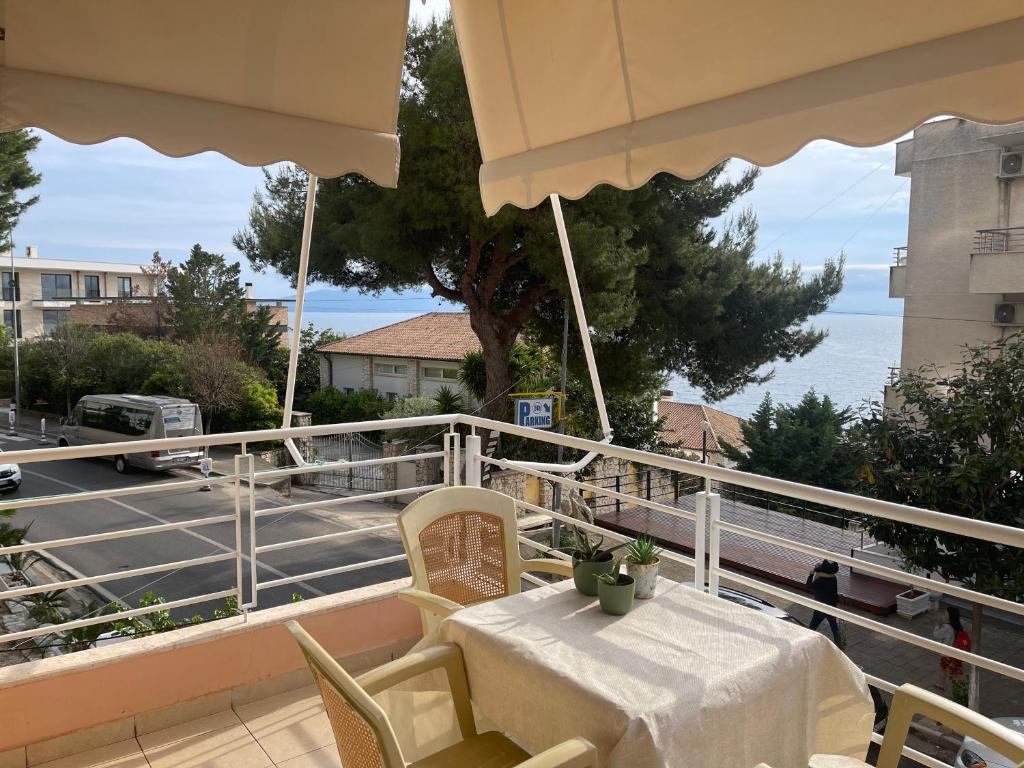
(974, 695)
(495, 344)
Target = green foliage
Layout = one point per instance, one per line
(161, 620)
(447, 400)
(83, 638)
(16, 176)
(406, 407)
(47, 607)
(803, 442)
(955, 444)
(256, 407)
(530, 367)
(124, 362)
(206, 296)
(585, 548)
(612, 577)
(229, 609)
(330, 406)
(259, 338)
(666, 290)
(643, 550)
(167, 380)
(307, 371)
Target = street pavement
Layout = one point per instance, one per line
(78, 518)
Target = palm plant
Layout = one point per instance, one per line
(19, 562)
(47, 607)
(588, 550)
(448, 401)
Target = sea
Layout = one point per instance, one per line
(851, 365)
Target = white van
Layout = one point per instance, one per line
(118, 418)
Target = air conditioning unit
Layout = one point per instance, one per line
(1008, 314)
(1011, 165)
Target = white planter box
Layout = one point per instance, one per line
(913, 603)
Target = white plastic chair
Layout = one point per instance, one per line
(463, 549)
(911, 700)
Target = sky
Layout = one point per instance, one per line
(120, 201)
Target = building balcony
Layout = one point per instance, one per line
(235, 690)
(898, 273)
(997, 261)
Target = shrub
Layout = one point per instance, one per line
(413, 406)
(257, 407)
(330, 406)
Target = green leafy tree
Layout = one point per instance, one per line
(954, 442)
(803, 442)
(260, 338)
(330, 406)
(307, 371)
(123, 362)
(205, 296)
(256, 408)
(664, 289)
(214, 375)
(448, 400)
(16, 176)
(66, 354)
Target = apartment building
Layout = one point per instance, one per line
(961, 273)
(40, 293)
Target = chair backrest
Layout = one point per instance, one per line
(911, 700)
(462, 544)
(362, 731)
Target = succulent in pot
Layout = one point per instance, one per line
(589, 560)
(615, 591)
(642, 564)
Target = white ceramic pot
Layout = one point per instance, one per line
(645, 576)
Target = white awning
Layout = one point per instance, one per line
(312, 81)
(567, 94)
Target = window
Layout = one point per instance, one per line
(7, 321)
(387, 369)
(8, 284)
(431, 372)
(124, 287)
(56, 286)
(133, 422)
(92, 286)
(52, 318)
(349, 391)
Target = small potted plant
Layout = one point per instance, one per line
(615, 591)
(642, 564)
(589, 560)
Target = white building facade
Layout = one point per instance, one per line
(416, 357)
(961, 274)
(39, 293)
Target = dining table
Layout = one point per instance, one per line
(684, 679)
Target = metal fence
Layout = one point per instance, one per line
(246, 575)
(999, 240)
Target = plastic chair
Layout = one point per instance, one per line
(911, 700)
(365, 738)
(463, 549)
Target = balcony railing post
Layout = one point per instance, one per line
(253, 575)
(452, 457)
(238, 531)
(473, 460)
(713, 548)
(699, 533)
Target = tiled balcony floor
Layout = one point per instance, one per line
(290, 730)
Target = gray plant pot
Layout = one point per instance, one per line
(585, 571)
(646, 577)
(617, 599)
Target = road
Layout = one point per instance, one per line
(90, 517)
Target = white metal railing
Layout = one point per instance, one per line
(463, 462)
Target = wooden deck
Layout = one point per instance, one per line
(774, 563)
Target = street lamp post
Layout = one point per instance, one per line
(15, 327)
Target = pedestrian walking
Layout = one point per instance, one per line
(825, 588)
(950, 631)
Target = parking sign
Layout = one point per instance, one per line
(536, 412)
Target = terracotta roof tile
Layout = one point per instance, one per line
(433, 336)
(684, 425)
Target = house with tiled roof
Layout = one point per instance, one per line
(685, 423)
(414, 357)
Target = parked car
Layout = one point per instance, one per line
(974, 754)
(10, 476)
(119, 418)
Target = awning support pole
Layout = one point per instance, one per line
(588, 352)
(300, 292)
(581, 316)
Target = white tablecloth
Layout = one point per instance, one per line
(683, 680)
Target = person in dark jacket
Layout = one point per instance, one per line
(825, 587)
